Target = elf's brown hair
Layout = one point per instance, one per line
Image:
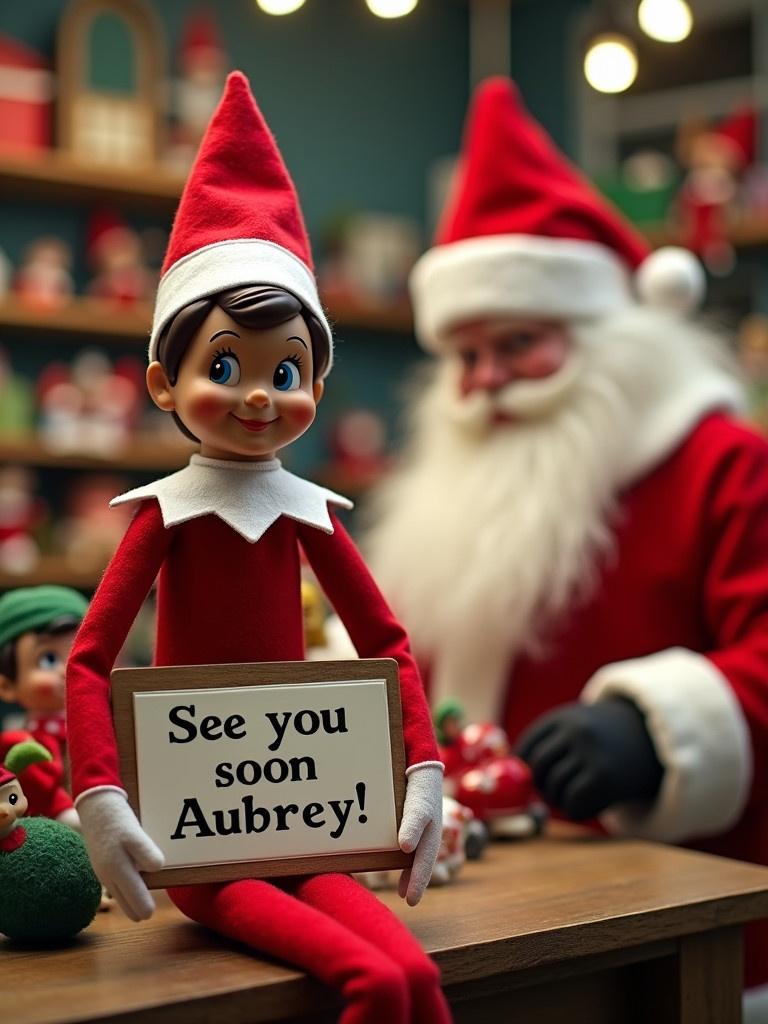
(255, 306)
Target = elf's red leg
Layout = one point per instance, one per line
(278, 924)
(362, 912)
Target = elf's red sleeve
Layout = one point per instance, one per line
(372, 627)
(115, 605)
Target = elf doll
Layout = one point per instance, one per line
(239, 352)
(37, 629)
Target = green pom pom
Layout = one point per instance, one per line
(48, 891)
(22, 755)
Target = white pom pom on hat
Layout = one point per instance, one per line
(671, 278)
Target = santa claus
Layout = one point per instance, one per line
(577, 535)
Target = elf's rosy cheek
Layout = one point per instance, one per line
(208, 404)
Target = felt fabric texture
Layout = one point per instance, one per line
(31, 608)
(221, 599)
(44, 783)
(119, 848)
(689, 569)
(336, 930)
(421, 827)
(525, 233)
(248, 496)
(48, 891)
(239, 221)
(24, 754)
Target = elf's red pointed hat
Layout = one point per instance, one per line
(238, 221)
(524, 233)
(6, 775)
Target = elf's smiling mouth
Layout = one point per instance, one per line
(254, 425)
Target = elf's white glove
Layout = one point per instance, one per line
(421, 828)
(119, 848)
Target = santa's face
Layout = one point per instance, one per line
(244, 392)
(497, 352)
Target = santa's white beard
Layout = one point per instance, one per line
(488, 532)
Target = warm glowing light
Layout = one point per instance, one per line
(611, 63)
(391, 8)
(669, 21)
(279, 6)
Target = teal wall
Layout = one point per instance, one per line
(360, 106)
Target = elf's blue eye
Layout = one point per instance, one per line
(48, 660)
(287, 376)
(225, 369)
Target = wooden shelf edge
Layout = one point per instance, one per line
(101, 320)
(142, 455)
(54, 175)
(745, 232)
(52, 569)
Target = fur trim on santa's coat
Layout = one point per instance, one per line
(700, 736)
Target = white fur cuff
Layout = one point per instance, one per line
(700, 736)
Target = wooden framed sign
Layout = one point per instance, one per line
(251, 771)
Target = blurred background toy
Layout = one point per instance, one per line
(48, 891)
(22, 513)
(44, 279)
(16, 401)
(26, 112)
(90, 530)
(202, 67)
(482, 774)
(116, 258)
(716, 160)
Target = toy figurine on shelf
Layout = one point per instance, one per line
(482, 774)
(716, 161)
(116, 258)
(90, 530)
(358, 448)
(48, 891)
(44, 279)
(239, 353)
(16, 402)
(37, 630)
(202, 68)
(22, 513)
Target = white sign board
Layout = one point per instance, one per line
(233, 767)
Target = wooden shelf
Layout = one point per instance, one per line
(54, 176)
(102, 321)
(91, 318)
(745, 232)
(146, 454)
(53, 569)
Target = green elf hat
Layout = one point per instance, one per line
(21, 756)
(28, 609)
(448, 708)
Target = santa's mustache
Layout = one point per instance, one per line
(526, 399)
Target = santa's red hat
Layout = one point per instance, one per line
(524, 233)
(239, 221)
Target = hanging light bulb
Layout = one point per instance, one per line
(391, 8)
(610, 64)
(279, 6)
(669, 21)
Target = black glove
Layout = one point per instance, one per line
(587, 757)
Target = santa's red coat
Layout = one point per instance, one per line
(689, 571)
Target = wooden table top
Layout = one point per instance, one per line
(524, 905)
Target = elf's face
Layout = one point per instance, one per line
(41, 661)
(243, 391)
(13, 805)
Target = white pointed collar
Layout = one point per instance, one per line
(248, 496)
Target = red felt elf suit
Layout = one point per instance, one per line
(610, 540)
(222, 537)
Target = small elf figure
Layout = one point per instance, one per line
(48, 891)
(37, 630)
(239, 353)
